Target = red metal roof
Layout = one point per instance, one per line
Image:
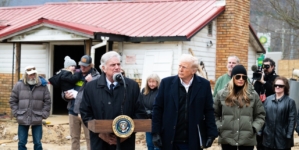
(133, 19)
(10, 13)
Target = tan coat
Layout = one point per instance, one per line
(235, 125)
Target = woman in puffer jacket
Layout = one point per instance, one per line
(147, 98)
(280, 119)
(239, 113)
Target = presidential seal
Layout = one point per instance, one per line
(123, 126)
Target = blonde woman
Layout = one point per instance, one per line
(147, 98)
(239, 113)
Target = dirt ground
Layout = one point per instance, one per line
(55, 136)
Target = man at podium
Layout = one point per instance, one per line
(183, 114)
(106, 98)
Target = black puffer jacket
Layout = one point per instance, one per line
(148, 100)
(279, 123)
(68, 79)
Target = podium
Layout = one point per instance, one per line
(105, 126)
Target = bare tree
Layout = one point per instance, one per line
(278, 17)
(4, 3)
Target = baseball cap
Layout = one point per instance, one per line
(30, 70)
(85, 61)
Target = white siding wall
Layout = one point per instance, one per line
(252, 56)
(139, 50)
(36, 55)
(206, 54)
(6, 52)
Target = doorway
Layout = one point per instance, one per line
(99, 52)
(60, 51)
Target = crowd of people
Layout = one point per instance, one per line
(185, 114)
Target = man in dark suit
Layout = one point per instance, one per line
(183, 114)
(104, 99)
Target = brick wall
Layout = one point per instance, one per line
(232, 34)
(5, 90)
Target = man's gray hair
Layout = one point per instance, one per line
(189, 58)
(237, 58)
(107, 56)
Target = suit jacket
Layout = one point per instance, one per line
(201, 111)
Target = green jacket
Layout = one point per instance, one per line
(220, 83)
(235, 125)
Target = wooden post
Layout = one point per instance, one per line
(88, 44)
(105, 126)
(17, 62)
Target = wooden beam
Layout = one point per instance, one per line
(17, 63)
(87, 44)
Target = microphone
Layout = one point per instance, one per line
(117, 77)
(254, 68)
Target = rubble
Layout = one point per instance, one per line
(57, 136)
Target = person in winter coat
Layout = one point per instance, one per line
(265, 86)
(30, 103)
(239, 112)
(232, 61)
(75, 122)
(104, 99)
(69, 77)
(280, 119)
(147, 98)
(183, 114)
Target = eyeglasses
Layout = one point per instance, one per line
(29, 69)
(279, 85)
(266, 66)
(238, 77)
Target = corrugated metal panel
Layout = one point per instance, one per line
(6, 52)
(10, 13)
(35, 55)
(134, 19)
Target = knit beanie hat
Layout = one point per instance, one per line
(69, 62)
(238, 69)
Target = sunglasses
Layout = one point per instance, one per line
(266, 66)
(29, 69)
(279, 85)
(238, 77)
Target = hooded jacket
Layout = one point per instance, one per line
(30, 106)
(235, 125)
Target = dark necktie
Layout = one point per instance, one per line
(111, 87)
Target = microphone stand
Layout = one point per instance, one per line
(122, 110)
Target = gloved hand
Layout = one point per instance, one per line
(209, 142)
(157, 141)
